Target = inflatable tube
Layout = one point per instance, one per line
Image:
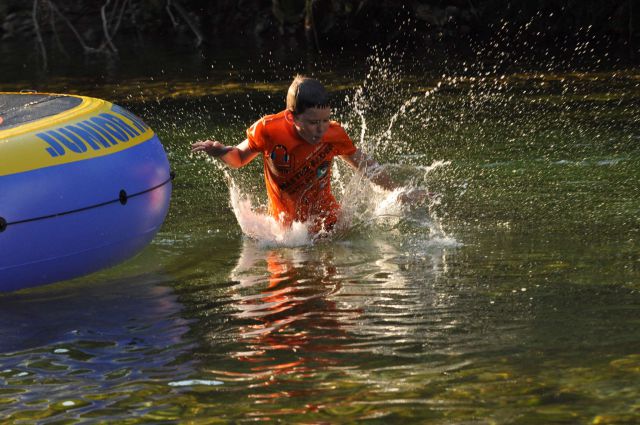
(84, 184)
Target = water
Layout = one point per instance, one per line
(509, 296)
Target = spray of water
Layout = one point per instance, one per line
(378, 111)
(377, 120)
(261, 226)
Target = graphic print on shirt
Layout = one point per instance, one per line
(280, 160)
(315, 171)
(322, 172)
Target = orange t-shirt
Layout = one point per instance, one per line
(297, 173)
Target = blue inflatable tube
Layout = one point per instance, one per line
(84, 184)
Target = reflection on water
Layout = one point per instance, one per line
(285, 315)
(362, 329)
(306, 321)
(370, 328)
(85, 349)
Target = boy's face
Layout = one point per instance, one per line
(312, 124)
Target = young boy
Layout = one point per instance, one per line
(297, 147)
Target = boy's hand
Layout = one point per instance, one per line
(211, 147)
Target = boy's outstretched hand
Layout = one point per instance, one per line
(211, 147)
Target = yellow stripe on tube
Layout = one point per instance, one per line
(92, 129)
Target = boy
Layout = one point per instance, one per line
(297, 147)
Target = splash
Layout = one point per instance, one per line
(376, 120)
(384, 111)
(369, 208)
(407, 210)
(258, 224)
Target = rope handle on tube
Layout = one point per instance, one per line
(123, 197)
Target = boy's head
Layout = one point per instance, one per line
(305, 93)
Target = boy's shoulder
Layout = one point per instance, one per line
(272, 118)
(335, 124)
(336, 129)
(269, 128)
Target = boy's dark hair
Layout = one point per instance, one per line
(305, 93)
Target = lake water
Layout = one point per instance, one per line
(511, 296)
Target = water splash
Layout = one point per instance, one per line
(380, 110)
(258, 224)
(378, 119)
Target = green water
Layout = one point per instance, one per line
(512, 297)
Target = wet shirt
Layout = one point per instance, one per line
(297, 173)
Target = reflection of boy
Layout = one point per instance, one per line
(289, 315)
(297, 147)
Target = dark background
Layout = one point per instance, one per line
(105, 27)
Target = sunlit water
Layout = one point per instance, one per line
(510, 295)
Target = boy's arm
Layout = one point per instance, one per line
(370, 167)
(234, 156)
(377, 174)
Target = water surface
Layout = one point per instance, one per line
(510, 297)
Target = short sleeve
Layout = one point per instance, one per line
(341, 141)
(256, 135)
